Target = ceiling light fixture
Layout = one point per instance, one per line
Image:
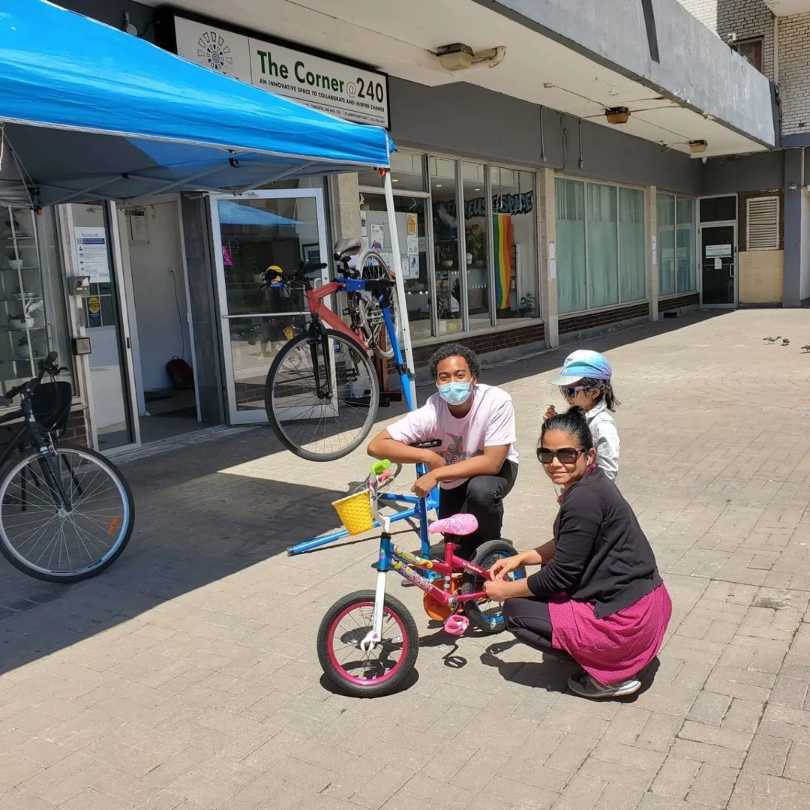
(617, 115)
(458, 56)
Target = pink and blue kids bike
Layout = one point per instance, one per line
(368, 641)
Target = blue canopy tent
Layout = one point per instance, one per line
(233, 213)
(90, 112)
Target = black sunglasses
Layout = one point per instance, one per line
(566, 455)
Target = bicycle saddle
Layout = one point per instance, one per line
(459, 525)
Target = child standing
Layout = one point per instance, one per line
(585, 381)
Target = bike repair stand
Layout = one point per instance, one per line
(419, 507)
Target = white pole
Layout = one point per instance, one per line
(397, 268)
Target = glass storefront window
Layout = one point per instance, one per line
(411, 231)
(496, 277)
(407, 173)
(445, 244)
(633, 265)
(603, 245)
(685, 217)
(514, 243)
(571, 270)
(665, 207)
(476, 240)
(601, 250)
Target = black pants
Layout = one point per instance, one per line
(530, 621)
(481, 496)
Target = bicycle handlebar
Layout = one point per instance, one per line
(46, 366)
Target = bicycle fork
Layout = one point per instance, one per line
(374, 636)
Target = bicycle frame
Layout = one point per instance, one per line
(404, 563)
(418, 507)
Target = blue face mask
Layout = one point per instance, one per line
(455, 393)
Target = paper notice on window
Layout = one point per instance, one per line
(377, 237)
(552, 268)
(91, 249)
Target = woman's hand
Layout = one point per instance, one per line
(550, 412)
(503, 567)
(497, 589)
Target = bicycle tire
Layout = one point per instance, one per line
(67, 522)
(289, 375)
(485, 556)
(337, 673)
(370, 312)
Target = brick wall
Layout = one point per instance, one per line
(704, 10)
(794, 73)
(76, 429)
(607, 316)
(690, 300)
(745, 18)
(493, 341)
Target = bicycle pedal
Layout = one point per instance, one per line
(456, 625)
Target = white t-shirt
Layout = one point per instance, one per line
(490, 422)
(605, 439)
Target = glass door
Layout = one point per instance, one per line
(718, 260)
(258, 236)
(94, 242)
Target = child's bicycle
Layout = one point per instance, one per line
(368, 641)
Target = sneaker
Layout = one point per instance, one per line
(585, 686)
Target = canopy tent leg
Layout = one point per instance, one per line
(408, 379)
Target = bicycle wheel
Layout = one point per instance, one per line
(370, 312)
(64, 517)
(487, 616)
(379, 671)
(321, 407)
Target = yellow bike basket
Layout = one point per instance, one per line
(354, 512)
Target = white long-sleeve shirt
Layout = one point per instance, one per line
(605, 439)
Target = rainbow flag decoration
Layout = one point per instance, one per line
(504, 240)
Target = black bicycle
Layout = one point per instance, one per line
(66, 513)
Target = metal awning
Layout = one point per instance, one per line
(91, 112)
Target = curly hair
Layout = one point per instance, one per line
(455, 350)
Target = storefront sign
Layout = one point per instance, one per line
(501, 204)
(348, 92)
(91, 248)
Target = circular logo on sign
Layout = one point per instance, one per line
(216, 52)
(94, 305)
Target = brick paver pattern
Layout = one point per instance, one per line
(186, 676)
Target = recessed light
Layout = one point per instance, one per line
(476, 189)
(439, 185)
(394, 179)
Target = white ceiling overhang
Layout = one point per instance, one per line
(400, 39)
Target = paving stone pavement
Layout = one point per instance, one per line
(186, 675)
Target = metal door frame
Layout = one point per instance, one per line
(722, 223)
(258, 416)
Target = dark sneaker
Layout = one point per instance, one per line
(585, 686)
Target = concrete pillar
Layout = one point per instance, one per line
(545, 192)
(793, 224)
(344, 206)
(651, 229)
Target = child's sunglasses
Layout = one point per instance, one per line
(572, 390)
(566, 455)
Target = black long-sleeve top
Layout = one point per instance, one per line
(601, 554)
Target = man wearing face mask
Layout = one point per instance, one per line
(476, 464)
